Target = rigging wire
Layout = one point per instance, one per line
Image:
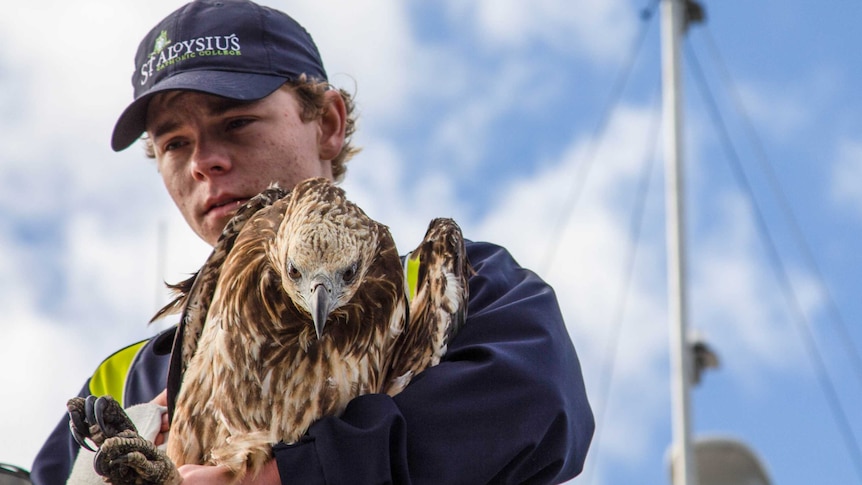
(583, 170)
(802, 324)
(787, 211)
(636, 228)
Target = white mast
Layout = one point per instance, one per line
(672, 29)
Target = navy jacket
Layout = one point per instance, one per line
(506, 405)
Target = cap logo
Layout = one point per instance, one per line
(161, 42)
(168, 53)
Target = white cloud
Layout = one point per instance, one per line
(599, 30)
(480, 103)
(737, 299)
(34, 350)
(588, 276)
(365, 45)
(778, 111)
(847, 174)
(377, 181)
(79, 70)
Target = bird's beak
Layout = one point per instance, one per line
(320, 304)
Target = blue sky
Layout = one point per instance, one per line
(488, 112)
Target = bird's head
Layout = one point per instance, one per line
(325, 249)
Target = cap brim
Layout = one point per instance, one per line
(235, 85)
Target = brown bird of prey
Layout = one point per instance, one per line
(303, 305)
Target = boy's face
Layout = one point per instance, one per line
(215, 153)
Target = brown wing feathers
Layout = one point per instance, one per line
(439, 306)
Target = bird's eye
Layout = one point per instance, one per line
(292, 272)
(349, 273)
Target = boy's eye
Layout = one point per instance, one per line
(238, 123)
(173, 145)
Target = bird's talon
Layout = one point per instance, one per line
(78, 424)
(99, 464)
(79, 438)
(89, 408)
(104, 464)
(99, 407)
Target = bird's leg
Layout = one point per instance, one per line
(123, 456)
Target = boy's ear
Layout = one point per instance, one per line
(332, 125)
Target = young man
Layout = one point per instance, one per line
(233, 96)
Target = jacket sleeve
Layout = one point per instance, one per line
(506, 405)
(54, 461)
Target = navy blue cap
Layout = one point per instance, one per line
(231, 48)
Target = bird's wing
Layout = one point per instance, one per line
(436, 278)
(195, 294)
